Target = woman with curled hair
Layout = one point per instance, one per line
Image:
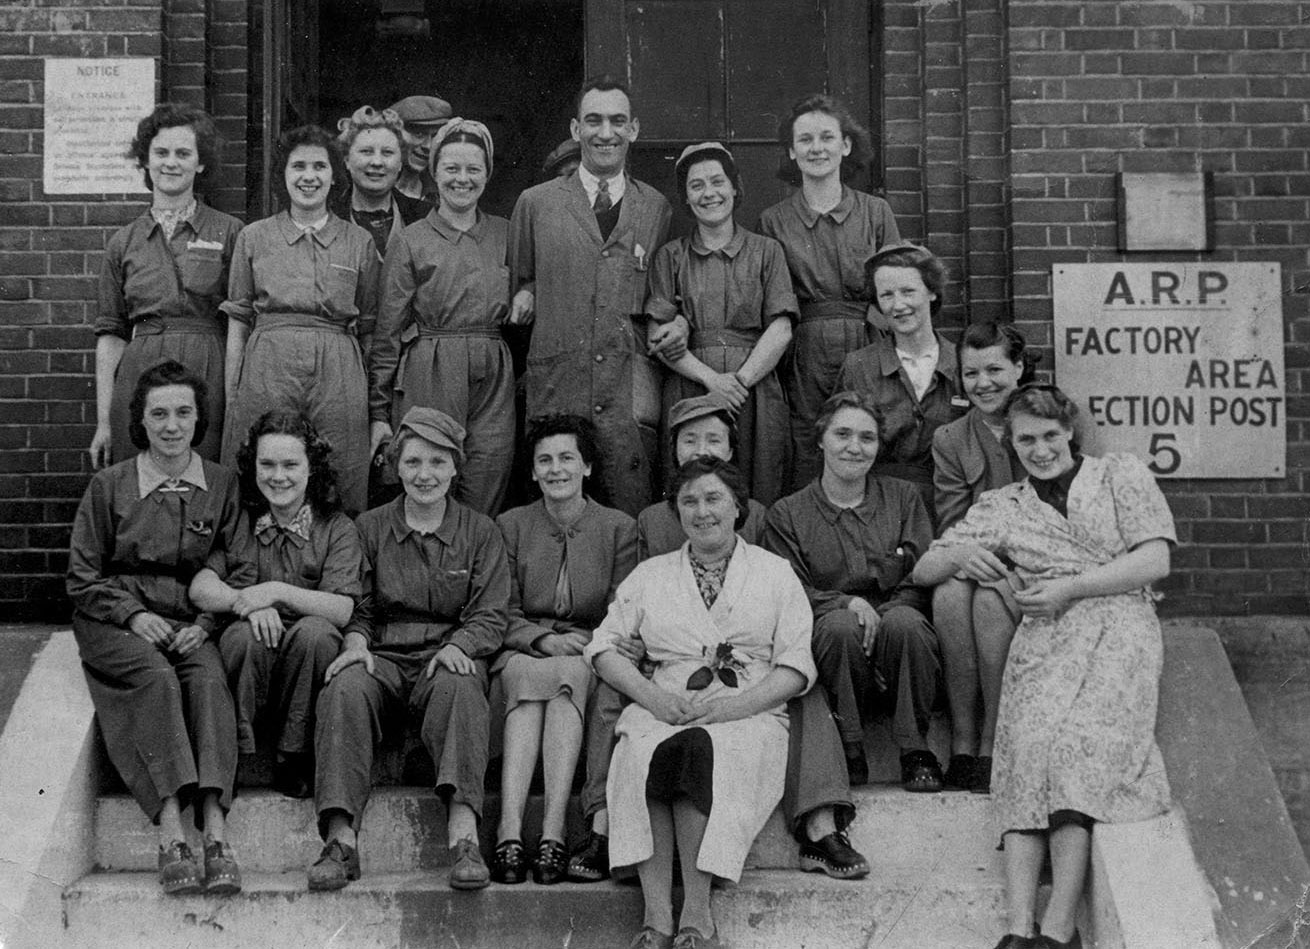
(445, 294)
(912, 374)
(853, 538)
(163, 278)
(373, 143)
(307, 579)
(827, 229)
(975, 621)
(702, 750)
(1081, 539)
(146, 526)
(567, 555)
(302, 303)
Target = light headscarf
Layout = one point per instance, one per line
(458, 124)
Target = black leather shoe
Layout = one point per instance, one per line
(920, 772)
(293, 775)
(179, 871)
(591, 864)
(1015, 941)
(1049, 942)
(509, 863)
(552, 862)
(982, 776)
(834, 856)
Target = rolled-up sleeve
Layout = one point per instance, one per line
(240, 302)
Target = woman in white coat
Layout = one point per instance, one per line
(703, 747)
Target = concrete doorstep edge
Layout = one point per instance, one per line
(48, 784)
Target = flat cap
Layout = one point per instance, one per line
(423, 110)
(696, 407)
(434, 426)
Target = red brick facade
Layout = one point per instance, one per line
(1003, 125)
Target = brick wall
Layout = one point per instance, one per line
(1100, 88)
(50, 250)
(1003, 123)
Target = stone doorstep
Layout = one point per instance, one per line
(766, 910)
(404, 829)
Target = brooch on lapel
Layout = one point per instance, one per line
(202, 528)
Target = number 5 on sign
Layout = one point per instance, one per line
(1179, 364)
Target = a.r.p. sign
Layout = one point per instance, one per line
(1180, 364)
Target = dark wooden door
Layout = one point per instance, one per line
(727, 70)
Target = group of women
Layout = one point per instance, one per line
(822, 433)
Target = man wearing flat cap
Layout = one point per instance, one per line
(580, 249)
(422, 116)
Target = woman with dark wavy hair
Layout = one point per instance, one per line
(307, 564)
(975, 620)
(302, 302)
(827, 229)
(144, 528)
(567, 555)
(163, 278)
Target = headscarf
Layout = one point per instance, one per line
(458, 124)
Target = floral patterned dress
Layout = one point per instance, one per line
(1076, 726)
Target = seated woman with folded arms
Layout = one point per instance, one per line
(567, 555)
(702, 750)
(436, 592)
(307, 567)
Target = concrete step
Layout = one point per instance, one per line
(404, 829)
(947, 909)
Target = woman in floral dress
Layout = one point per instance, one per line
(1075, 740)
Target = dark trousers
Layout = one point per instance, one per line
(167, 720)
(355, 711)
(279, 687)
(904, 672)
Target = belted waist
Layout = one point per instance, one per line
(410, 630)
(301, 321)
(834, 310)
(470, 332)
(724, 338)
(161, 325)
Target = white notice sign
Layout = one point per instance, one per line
(92, 107)
(1179, 364)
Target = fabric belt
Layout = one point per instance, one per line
(834, 310)
(162, 325)
(301, 321)
(471, 332)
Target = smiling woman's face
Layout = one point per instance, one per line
(558, 468)
(309, 178)
(425, 470)
(1042, 444)
(707, 510)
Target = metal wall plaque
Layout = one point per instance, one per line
(1180, 364)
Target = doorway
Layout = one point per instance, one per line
(512, 64)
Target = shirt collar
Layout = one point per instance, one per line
(453, 234)
(149, 476)
(865, 510)
(591, 184)
(889, 360)
(267, 528)
(729, 250)
(324, 235)
(933, 354)
(400, 528)
(811, 217)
